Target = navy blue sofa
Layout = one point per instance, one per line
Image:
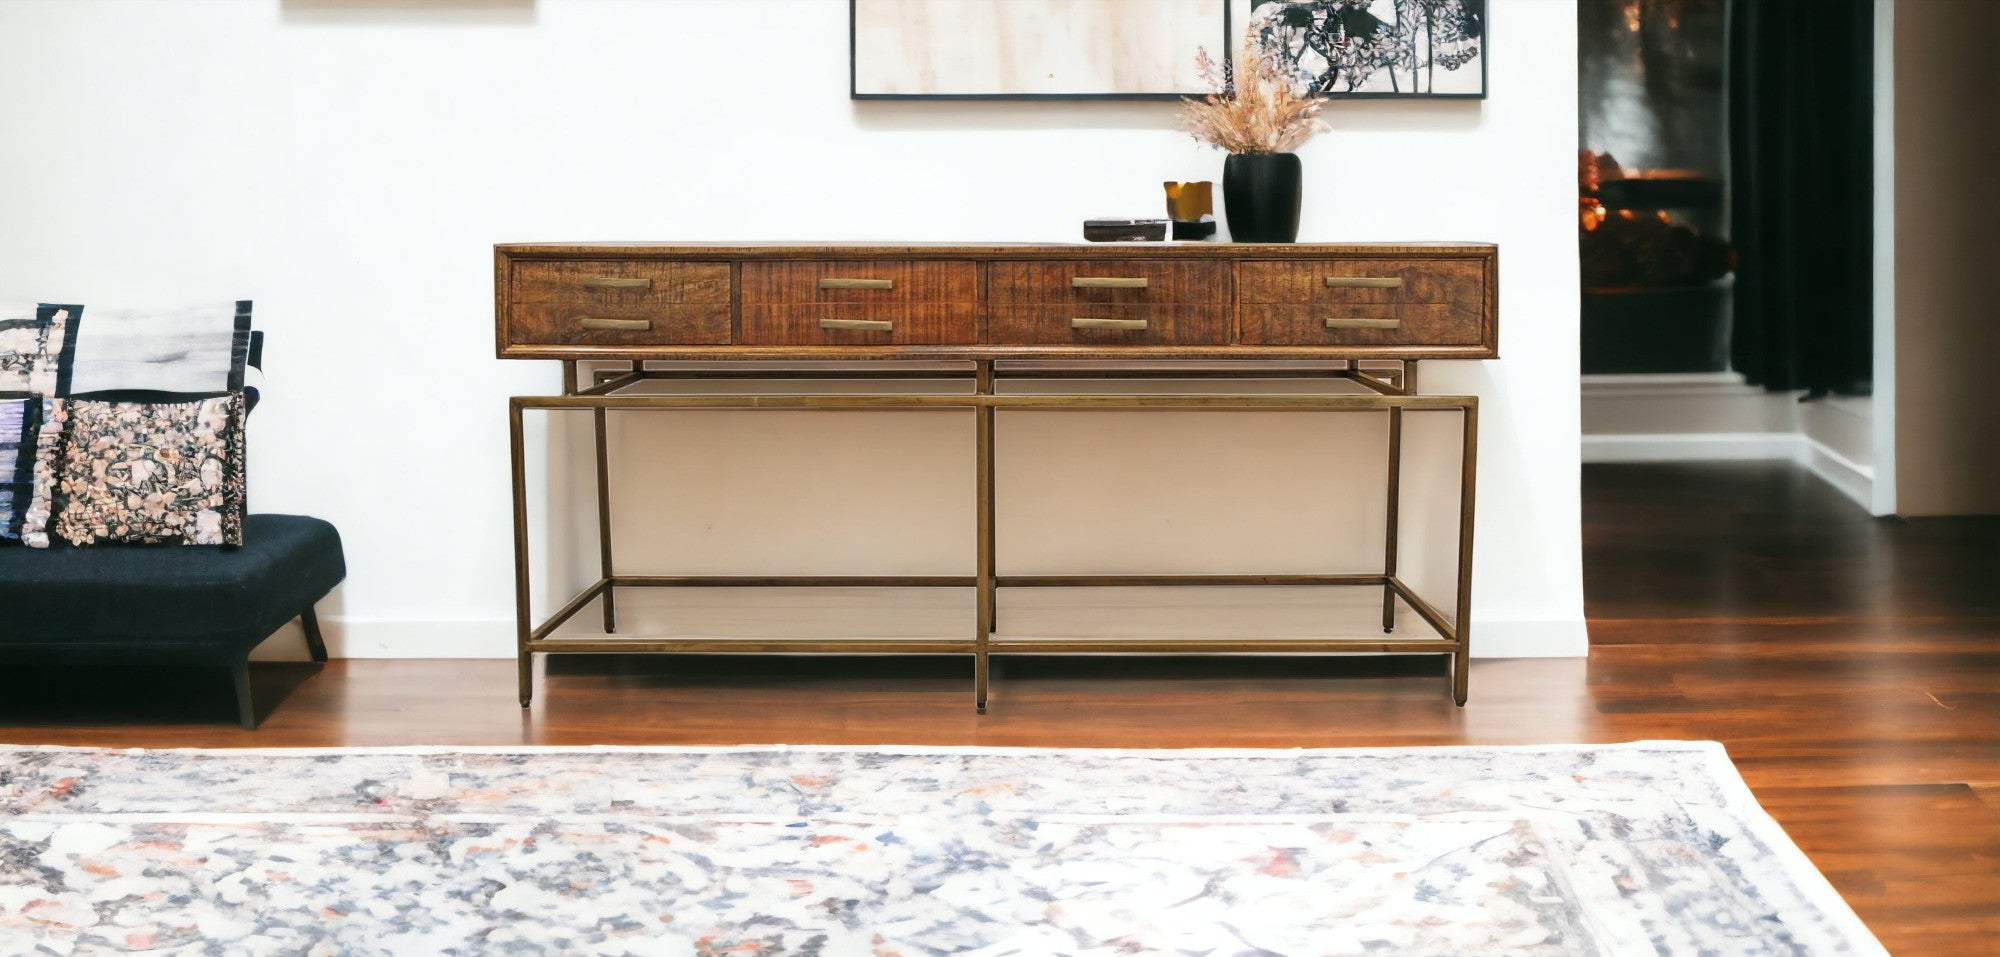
(169, 604)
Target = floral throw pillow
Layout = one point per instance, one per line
(138, 472)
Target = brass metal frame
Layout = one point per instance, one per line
(988, 595)
(1390, 390)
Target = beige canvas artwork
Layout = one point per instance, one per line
(1032, 47)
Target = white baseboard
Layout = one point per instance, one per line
(1692, 447)
(1667, 383)
(1516, 638)
(1855, 481)
(392, 638)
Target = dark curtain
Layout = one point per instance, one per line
(1801, 119)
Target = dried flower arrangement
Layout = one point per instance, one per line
(1269, 113)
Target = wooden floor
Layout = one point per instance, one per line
(1851, 666)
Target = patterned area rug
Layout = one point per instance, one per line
(1619, 849)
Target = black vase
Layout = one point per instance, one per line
(1260, 193)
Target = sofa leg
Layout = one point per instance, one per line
(314, 643)
(245, 711)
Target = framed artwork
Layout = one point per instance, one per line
(1030, 49)
(1377, 48)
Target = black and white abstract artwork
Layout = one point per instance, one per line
(1024, 49)
(1376, 48)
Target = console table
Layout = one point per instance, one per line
(1361, 313)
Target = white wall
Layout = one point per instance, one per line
(349, 164)
(1947, 425)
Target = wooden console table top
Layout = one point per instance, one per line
(1093, 301)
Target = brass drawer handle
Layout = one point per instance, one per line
(1107, 282)
(598, 322)
(1083, 323)
(615, 282)
(1364, 282)
(838, 283)
(1363, 323)
(873, 325)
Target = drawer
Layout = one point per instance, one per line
(1109, 282)
(1096, 325)
(886, 281)
(1344, 324)
(627, 282)
(894, 324)
(619, 324)
(1363, 281)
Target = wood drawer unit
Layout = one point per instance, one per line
(1362, 302)
(617, 303)
(1109, 303)
(860, 282)
(1113, 282)
(620, 324)
(922, 323)
(1115, 325)
(1359, 324)
(1362, 280)
(860, 303)
(627, 282)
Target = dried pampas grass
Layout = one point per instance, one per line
(1264, 114)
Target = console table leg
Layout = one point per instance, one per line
(519, 454)
(1394, 503)
(1461, 665)
(990, 598)
(986, 598)
(1467, 496)
(604, 521)
(981, 666)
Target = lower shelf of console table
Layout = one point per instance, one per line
(1399, 603)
